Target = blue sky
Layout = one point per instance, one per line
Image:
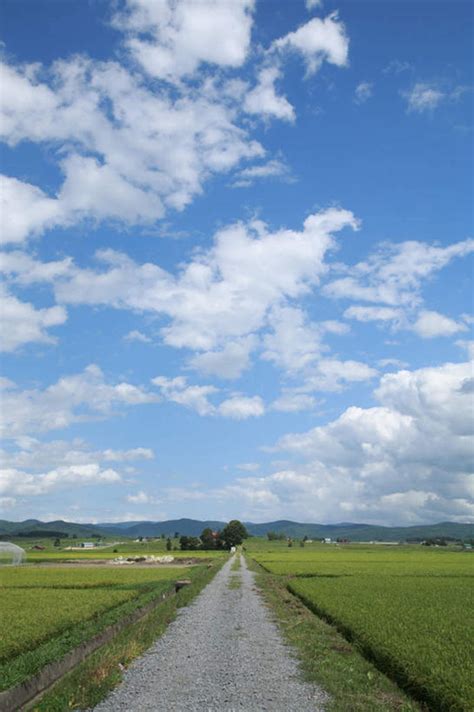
(237, 260)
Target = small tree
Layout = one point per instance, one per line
(290, 542)
(234, 533)
(169, 544)
(208, 539)
(57, 542)
(189, 543)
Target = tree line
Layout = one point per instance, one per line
(231, 535)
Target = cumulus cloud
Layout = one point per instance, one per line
(72, 399)
(136, 335)
(430, 324)
(21, 323)
(141, 497)
(240, 407)
(293, 401)
(394, 274)
(178, 391)
(316, 41)
(407, 459)
(16, 482)
(263, 99)
(228, 362)
(28, 453)
(247, 265)
(237, 407)
(183, 35)
(143, 162)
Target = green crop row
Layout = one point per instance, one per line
(30, 617)
(41, 623)
(85, 576)
(418, 630)
(318, 567)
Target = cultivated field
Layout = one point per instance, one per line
(409, 609)
(49, 610)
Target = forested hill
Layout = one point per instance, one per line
(193, 527)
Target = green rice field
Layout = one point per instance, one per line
(48, 610)
(409, 609)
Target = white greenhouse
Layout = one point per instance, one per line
(11, 554)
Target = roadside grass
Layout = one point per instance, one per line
(92, 680)
(326, 657)
(235, 581)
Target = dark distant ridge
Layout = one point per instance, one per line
(193, 527)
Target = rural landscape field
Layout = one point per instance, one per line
(407, 608)
(404, 608)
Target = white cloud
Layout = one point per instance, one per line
(318, 41)
(332, 374)
(226, 292)
(141, 497)
(196, 398)
(242, 407)
(185, 34)
(430, 324)
(263, 99)
(407, 460)
(34, 455)
(177, 390)
(423, 96)
(394, 274)
(7, 502)
(313, 4)
(16, 482)
(21, 323)
(227, 362)
(272, 169)
(363, 92)
(374, 313)
(25, 210)
(72, 399)
(248, 466)
(136, 335)
(388, 362)
(294, 343)
(294, 402)
(144, 160)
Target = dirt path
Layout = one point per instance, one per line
(223, 653)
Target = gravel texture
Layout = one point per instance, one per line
(223, 653)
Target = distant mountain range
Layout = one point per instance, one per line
(193, 527)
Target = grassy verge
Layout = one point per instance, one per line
(91, 681)
(235, 580)
(327, 659)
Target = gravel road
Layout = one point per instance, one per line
(223, 653)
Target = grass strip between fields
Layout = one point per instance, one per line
(327, 658)
(93, 679)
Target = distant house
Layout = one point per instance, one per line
(327, 540)
(87, 545)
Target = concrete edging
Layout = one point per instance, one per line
(31, 690)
